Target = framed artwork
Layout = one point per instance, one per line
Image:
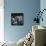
(17, 18)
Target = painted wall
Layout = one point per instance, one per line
(29, 8)
(43, 6)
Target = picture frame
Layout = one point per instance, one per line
(17, 18)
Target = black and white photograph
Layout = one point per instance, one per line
(17, 18)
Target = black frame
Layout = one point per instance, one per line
(17, 18)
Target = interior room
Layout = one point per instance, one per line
(22, 23)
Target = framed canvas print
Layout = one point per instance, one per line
(17, 18)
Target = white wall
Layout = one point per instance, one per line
(1, 20)
(43, 6)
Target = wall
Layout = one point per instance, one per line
(1, 20)
(29, 8)
(43, 6)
